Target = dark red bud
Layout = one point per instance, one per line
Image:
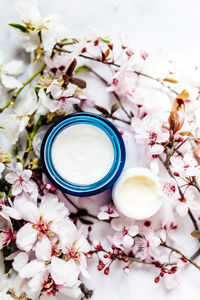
(176, 174)
(161, 274)
(156, 280)
(106, 271)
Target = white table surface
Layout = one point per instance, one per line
(161, 27)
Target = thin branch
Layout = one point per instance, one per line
(14, 97)
(147, 262)
(181, 254)
(82, 212)
(116, 96)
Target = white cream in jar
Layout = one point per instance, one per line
(136, 194)
(82, 154)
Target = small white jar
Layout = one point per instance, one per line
(136, 193)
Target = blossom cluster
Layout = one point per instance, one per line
(44, 247)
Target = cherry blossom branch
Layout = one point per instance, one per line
(181, 254)
(166, 165)
(117, 254)
(14, 97)
(116, 96)
(86, 292)
(112, 63)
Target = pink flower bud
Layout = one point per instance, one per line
(88, 255)
(144, 54)
(129, 52)
(127, 270)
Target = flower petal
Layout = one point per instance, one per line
(14, 67)
(27, 209)
(64, 272)
(32, 268)
(43, 249)
(10, 82)
(20, 261)
(26, 237)
(127, 241)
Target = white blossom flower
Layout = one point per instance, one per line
(74, 249)
(39, 279)
(51, 31)
(10, 127)
(43, 223)
(64, 99)
(24, 108)
(20, 179)
(8, 71)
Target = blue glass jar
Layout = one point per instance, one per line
(78, 189)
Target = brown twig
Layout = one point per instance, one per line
(116, 96)
(180, 192)
(181, 254)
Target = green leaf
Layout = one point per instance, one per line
(20, 27)
(37, 88)
(11, 90)
(81, 68)
(105, 40)
(64, 40)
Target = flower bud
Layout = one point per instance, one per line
(127, 270)
(157, 279)
(106, 271)
(100, 266)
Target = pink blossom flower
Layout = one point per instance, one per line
(63, 99)
(122, 82)
(172, 280)
(170, 189)
(168, 230)
(186, 166)
(150, 132)
(148, 245)
(144, 54)
(20, 179)
(187, 202)
(126, 231)
(107, 212)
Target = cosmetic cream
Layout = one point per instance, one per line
(83, 154)
(136, 194)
